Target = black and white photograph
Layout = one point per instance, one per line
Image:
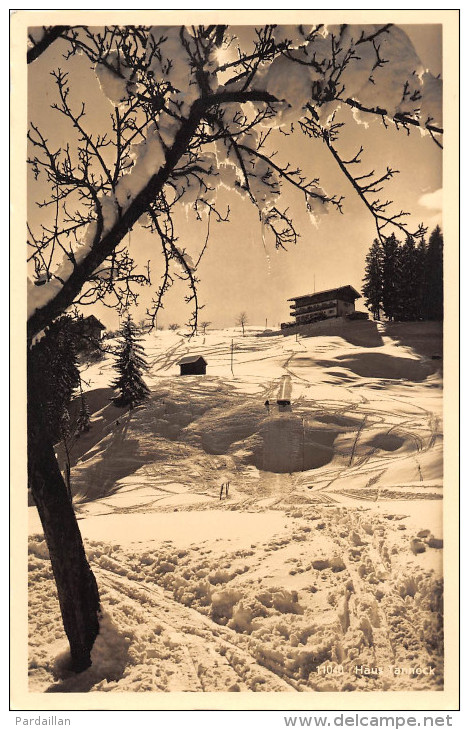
(236, 249)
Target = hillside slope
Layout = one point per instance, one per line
(322, 564)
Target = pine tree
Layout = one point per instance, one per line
(65, 424)
(65, 428)
(83, 418)
(433, 291)
(409, 276)
(391, 293)
(421, 256)
(130, 386)
(55, 372)
(373, 281)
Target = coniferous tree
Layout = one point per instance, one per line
(421, 256)
(405, 281)
(130, 386)
(56, 374)
(83, 419)
(65, 424)
(373, 281)
(433, 290)
(391, 295)
(409, 276)
(65, 433)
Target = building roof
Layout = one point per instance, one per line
(191, 358)
(329, 294)
(91, 319)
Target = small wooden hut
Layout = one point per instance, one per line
(193, 365)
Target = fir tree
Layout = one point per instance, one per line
(65, 430)
(391, 294)
(55, 373)
(409, 275)
(421, 256)
(433, 289)
(130, 386)
(405, 281)
(65, 424)
(83, 418)
(373, 281)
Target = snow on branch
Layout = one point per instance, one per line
(40, 39)
(192, 110)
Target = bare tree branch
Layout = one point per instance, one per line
(50, 35)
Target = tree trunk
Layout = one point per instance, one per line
(76, 585)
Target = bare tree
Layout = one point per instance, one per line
(193, 108)
(173, 327)
(242, 320)
(204, 326)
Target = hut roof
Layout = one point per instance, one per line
(191, 358)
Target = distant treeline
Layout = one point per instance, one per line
(404, 281)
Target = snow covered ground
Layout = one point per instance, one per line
(321, 570)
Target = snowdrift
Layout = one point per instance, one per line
(323, 563)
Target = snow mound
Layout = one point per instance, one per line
(295, 577)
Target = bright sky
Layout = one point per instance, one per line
(239, 272)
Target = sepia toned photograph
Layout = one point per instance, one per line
(237, 259)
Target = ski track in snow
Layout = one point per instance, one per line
(299, 578)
